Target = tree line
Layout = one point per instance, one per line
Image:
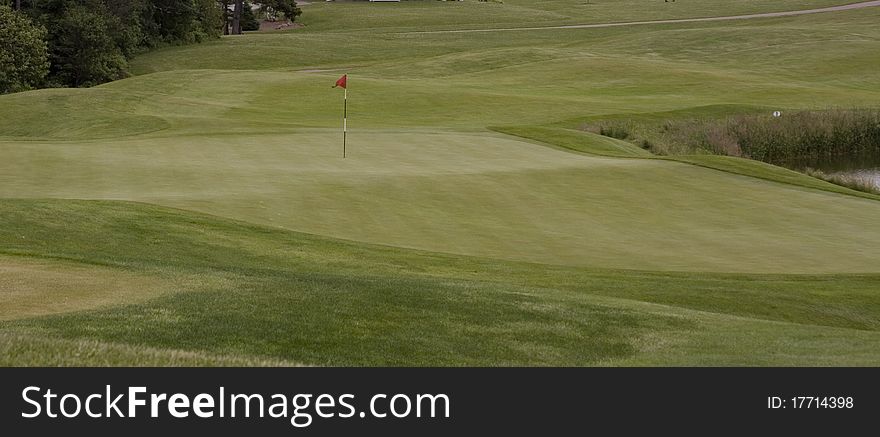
(239, 14)
(77, 43)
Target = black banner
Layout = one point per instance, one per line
(333, 401)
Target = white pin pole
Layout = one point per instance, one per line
(344, 121)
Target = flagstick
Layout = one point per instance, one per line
(344, 121)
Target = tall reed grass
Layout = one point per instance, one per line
(799, 140)
(802, 137)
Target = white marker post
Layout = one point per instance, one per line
(344, 121)
(343, 82)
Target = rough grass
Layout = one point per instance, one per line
(39, 350)
(792, 139)
(796, 140)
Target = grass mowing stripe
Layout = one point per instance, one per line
(448, 192)
(314, 300)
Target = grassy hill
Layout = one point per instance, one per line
(468, 226)
(243, 290)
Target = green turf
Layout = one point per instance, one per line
(421, 15)
(479, 226)
(17, 349)
(35, 287)
(575, 139)
(304, 298)
(474, 194)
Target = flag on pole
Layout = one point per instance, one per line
(343, 83)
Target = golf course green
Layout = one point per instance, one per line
(200, 212)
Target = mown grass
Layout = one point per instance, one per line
(421, 15)
(301, 298)
(537, 256)
(470, 193)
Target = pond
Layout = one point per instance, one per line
(872, 174)
(862, 168)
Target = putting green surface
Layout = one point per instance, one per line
(200, 212)
(477, 194)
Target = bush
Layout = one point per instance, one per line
(24, 59)
(614, 130)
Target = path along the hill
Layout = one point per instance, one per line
(859, 5)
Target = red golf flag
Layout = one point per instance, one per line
(342, 82)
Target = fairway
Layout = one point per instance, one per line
(200, 212)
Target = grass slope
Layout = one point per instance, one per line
(449, 192)
(522, 13)
(42, 351)
(570, 138)
(551, 257)
(302, 298)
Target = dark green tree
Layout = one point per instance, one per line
(248, 18)
(127, 25)
(24, 58)
(207, 20)
(172, 20)
(82, 50)
(90, 41)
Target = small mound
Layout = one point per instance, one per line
(74, 114)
